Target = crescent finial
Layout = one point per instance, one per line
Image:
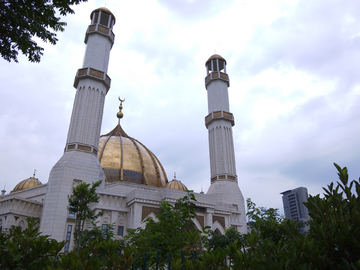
(120, 114)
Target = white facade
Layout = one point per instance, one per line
(126, 204)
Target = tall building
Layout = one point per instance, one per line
(219, 122)
(79, 162)
(294, 208)
(134, 181)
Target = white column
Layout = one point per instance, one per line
(208, 217)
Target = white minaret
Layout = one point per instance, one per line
(219, 122)
(79, 162)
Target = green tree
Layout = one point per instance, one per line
(167, 235)
(267, 221)
(107, 254)
(98, 233)
(79, 203)
(22, 20)
(333, 241)
(231, 235)
(214, 260)
(335, 222)
(27, 249)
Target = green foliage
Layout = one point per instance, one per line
(222, 241)
(22, 20)
(267, 221)
(167, 235)
(106, 254)
(333, 241)
(96, 233)
(335, 222)
(215, 259)
(79, 204)
(27, 249)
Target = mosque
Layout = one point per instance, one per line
(134, 182)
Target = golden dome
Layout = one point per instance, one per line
(175, 184)
(215, 56)
(27, 183)
(126, 159)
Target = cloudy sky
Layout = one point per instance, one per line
(294, 70)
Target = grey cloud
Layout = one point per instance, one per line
(196, 10)
(299, 147)
(302, 146)
(314, 37)
(168, 57)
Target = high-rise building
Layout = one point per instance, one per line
(294, 208)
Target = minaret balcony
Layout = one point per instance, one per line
(93, 74)
(223, 177)
(81, 147)
(219, 115)
(100, 29)
(217, 75)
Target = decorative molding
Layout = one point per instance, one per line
(100, 29)
(219, 219)
(92, 73)
(112, 200)
(205, 205)
(81, 147)
(221, 212)
(21, 207)
(172, 200)
(217, 225)
(146, 211)
(219, 115)
(217, 75)
(135, 186)
(223, 177)
(139, 200)
(122, 218)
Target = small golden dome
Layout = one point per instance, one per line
(215, 56)
(27, 183)
(175, 184)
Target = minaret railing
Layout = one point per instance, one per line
(94, 74)
(217, 75)
(100, 29)
(219, 115)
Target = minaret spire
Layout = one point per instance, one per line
(79, 162)
(3, 191)
(219, 122)
(120, 113)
